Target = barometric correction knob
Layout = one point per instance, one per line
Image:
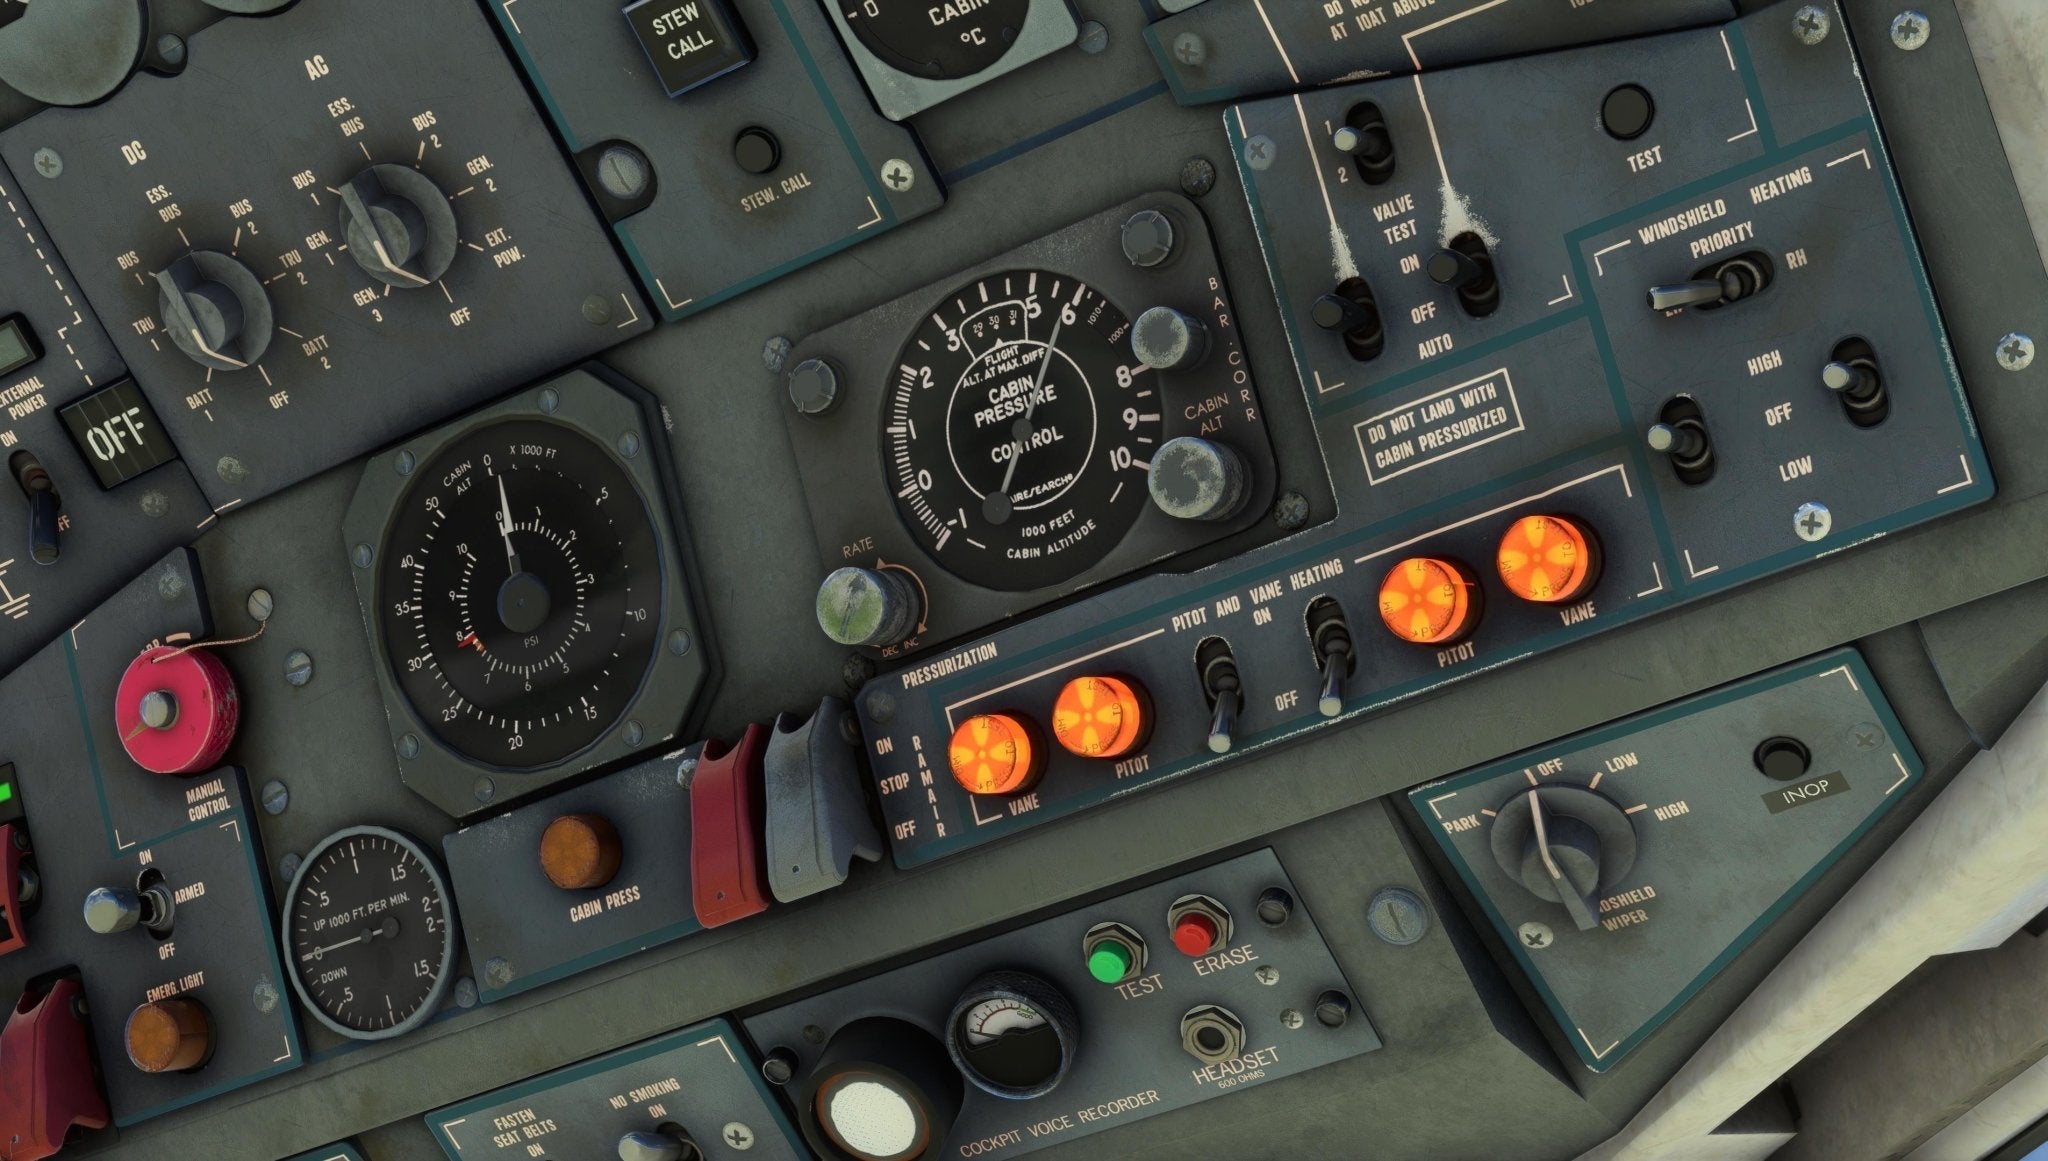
(1102, 717)
(1198, 479)
(398, 225)
(869, 606)
(659, 1145)
(1564, 844)
(882, 1090)
(176, 710)
(1165, 339)
(1549, 560)
(174, 1035)
(996, 753)
(1013, 1035)
(1430, 600)
(580, 852)
(215, 310)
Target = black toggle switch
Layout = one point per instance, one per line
(1681, 436)
(1723, 283)
(1364, 135)
(1853, 375)
(1329, 635)
(44, 505)
(1352, 312)
(1224, 689)
(1466, 267)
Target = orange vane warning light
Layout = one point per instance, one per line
(1429, 601)
(995, 754)
(1549, 559)
(1102, 717)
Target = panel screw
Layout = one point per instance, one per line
(264, 996)
(898, 175)
(1865, 735)
(288, 866)
(1267, 975)
(775, 353)
(679, 643)
(155, 503)
(1189, 49)
(737, 1135)
(1535, 935)
(298, 667)
(549, 401)
(623, 172)
(686, 772)
(1811, 24)
(260, 605)
(633, 732)
(230, 470)
(629, 445)
(1290, 1018)
(881, 707)
(1094, 37)
(857, 671)
(1812, 520)
(1910, 29)
(170, 49)
(1397, 916)
(1258, 152)
(1290, 511)
(465, 993)
(498, 971)
(362, 556)
(484, 788)
(1197, 176)
(276, 796)
(404, 464)
(48, 163)
(814, 1034)
(409, 746)
(597, 310)
(2016, 351)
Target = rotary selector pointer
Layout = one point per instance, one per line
(215, 310)
(1565, 844)
(398, 225)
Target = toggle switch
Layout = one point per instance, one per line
(1329, 636)
(174, 1035)
(1364, 135)
(1723, 283)
(1351, 312)
(1678, 295)
(1224, 689)
(44, 505)
(1854, 378)
(1465, 266)
(1681, 437)
(661, 1144)
(1165, 339)
(112, 910)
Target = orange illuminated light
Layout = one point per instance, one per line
(995, 754)
(1101, 717)
(1429, 601)
(1549, 559)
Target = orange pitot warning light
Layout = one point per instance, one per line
(1101, 717)
(1429, 601)
(1549, 559)
(995, 754)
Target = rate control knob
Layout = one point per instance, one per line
(215, 310)
(1565, 845)
(869, 606)
(659, 1145)
(398, 225)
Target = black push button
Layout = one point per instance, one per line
(756, 150)
(1782, 758)
(18, 345)
(118, 434)
(1627, 112)
(689, 42)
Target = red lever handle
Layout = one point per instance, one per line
(728, 801)
(46, 1082)
(13, 929)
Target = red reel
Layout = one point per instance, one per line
(176, 710)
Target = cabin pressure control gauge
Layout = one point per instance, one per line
(369, 934)
(522, 583)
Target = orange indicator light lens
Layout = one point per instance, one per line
(1549, 559)
(1429, 601)
(994, 754)
(1101, 717)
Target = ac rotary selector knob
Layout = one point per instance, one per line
(215, 310)
(1565, 844)
(398, 225)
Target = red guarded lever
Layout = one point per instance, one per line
(728, 801)
(13, 928)
(46, 1075)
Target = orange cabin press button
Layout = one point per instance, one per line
(995, 754)
(1102, 717)
(1430, 601)
(1549, 559)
